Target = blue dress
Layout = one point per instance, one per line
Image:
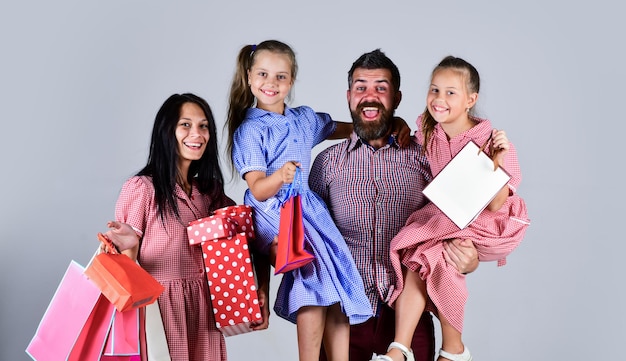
(264, 142)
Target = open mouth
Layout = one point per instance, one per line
(370, 111)
(193, 145)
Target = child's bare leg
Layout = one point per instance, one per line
(450, 338)
(336, 334)
(310, 327)
(409, 308)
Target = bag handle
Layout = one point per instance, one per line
(294, 187)
(108, 244)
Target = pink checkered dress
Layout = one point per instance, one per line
(418, 245)
(166, 254)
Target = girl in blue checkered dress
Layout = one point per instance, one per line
(268, 141)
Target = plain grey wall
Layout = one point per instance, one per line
(80, 82)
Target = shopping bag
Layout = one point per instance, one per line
(123, 338)
(290, 251)
(91, 341)
(121, 280)
(78, 316)
(156, 343)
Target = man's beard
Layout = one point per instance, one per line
(374, 129)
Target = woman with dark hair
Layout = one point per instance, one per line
(181, 182)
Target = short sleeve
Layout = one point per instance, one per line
(134, 203)
(323, 127)
(249, 152)
(317, 126)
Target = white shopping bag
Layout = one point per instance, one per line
(156, 342)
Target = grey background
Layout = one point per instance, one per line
(80, 82)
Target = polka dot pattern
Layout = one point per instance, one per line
(231, 283)
(241, 215)
(210, 228)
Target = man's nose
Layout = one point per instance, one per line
(370, 95)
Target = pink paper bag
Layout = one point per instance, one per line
(61, 330)
(123, 338)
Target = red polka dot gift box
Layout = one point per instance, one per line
(241, 215)
(210, 228)
(232, 286)
(223, 238)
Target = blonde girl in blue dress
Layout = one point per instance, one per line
(268, 140)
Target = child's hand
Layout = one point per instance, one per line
(402, 131)
(500, 145)
(288, 171)
(122, 235)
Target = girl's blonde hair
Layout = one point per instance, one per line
(241, 97)
(472, 85)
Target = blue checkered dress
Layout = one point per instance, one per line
(265, 142)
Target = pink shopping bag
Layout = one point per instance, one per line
(64, 332)
(123, 338)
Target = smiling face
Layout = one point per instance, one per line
(192, 134)
(270, 80)
(372, 101)
(448, 100)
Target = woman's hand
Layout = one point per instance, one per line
(264, 304)
(122, 235)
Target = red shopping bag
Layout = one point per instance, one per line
(76, 322)
(92, 339)
(290, 252)
(121, 280)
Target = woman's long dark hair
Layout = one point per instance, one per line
(163, 158)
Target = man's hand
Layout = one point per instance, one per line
(461, 254)
(402, 131)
